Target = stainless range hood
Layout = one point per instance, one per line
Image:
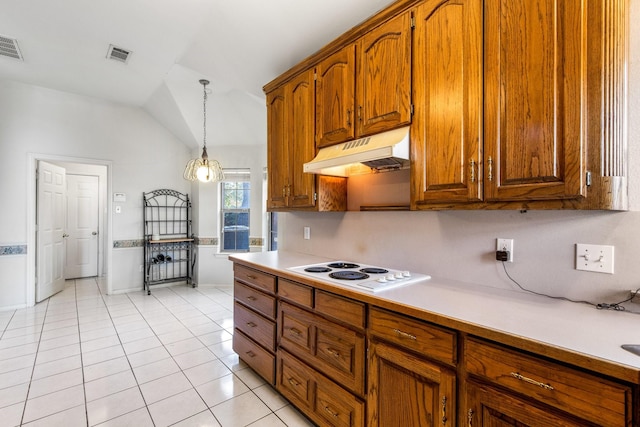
(387, 150)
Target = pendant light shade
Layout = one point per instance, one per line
(202, 169)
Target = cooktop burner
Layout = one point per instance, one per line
(374, 270)
(343, 265)
(317, 269)
(348, 275)
(362, 276)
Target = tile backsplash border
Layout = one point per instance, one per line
(13, 250)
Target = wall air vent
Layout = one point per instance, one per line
(9, 47)
(118, 54)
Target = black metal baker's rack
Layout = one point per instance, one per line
(168, 240)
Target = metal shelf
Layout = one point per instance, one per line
(167, 213)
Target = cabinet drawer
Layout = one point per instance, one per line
(337, 407)
(259, 328)
(295, 292)
(340, 308)
(429, 340)
(336, 351)
(255, 278)
(587, 396)
(259, 301)
(263, 362)
(295, 380)
(322, 400)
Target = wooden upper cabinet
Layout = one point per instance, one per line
(335, 89)
(277, 149)
(383, 91)
(365, 87)
(301, 133)
(535, 107)
(447, 128)
(290, 117)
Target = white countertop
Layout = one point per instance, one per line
(576, 328)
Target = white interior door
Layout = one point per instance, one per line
(82, 226)
(51, 206)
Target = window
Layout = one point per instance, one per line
(235, 193)
(273, 231)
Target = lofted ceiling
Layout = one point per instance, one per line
(239, 45)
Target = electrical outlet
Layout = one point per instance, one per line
(598, 258)
(505, 245)
(307, 233)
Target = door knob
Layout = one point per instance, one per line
(94, 233)
(65, 235)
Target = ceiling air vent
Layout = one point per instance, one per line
(9, 47)
(118, 54)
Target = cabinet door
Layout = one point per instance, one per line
(300, 97)
(447, 129)
(535, 84)
(405, 390)
(489, 407)
(384, 77)
(335, 85)
(277, 151)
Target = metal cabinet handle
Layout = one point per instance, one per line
(293, 382)
(250, 353)
(403, 334)
(472, 170)
(252, 277)
(251, 324)
(531, 381)
(490, 169)
(348, 117)
(360, 113)
(333, 352)
(251, 298)
(295, 331)
(333, 413)
(470, 418)
(284, 191)
(444, 410)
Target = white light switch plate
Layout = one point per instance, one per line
(598, 258)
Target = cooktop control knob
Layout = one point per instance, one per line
(406, 273)
(399, 275)
(382, 280)
(391, 277)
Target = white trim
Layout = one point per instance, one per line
(32, 162)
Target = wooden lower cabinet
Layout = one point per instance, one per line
(406, 390)
(584, 397)
(490, 407)
(318, 397)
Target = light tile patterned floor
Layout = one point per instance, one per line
(86, 359)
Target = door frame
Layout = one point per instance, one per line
(107, 243)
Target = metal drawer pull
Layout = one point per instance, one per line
(293, 382)
(251, 324)
(333, 352)
(250, 353)
(295, 331)
(490, 167)
(472, 170)
(531, 381)
(334, 414)
(444, 410)
(251, 276)
(403, 334)
(251, 298)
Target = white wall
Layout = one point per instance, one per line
(461, 244)
(144, 156)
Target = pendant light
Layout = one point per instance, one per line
(202, 169)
